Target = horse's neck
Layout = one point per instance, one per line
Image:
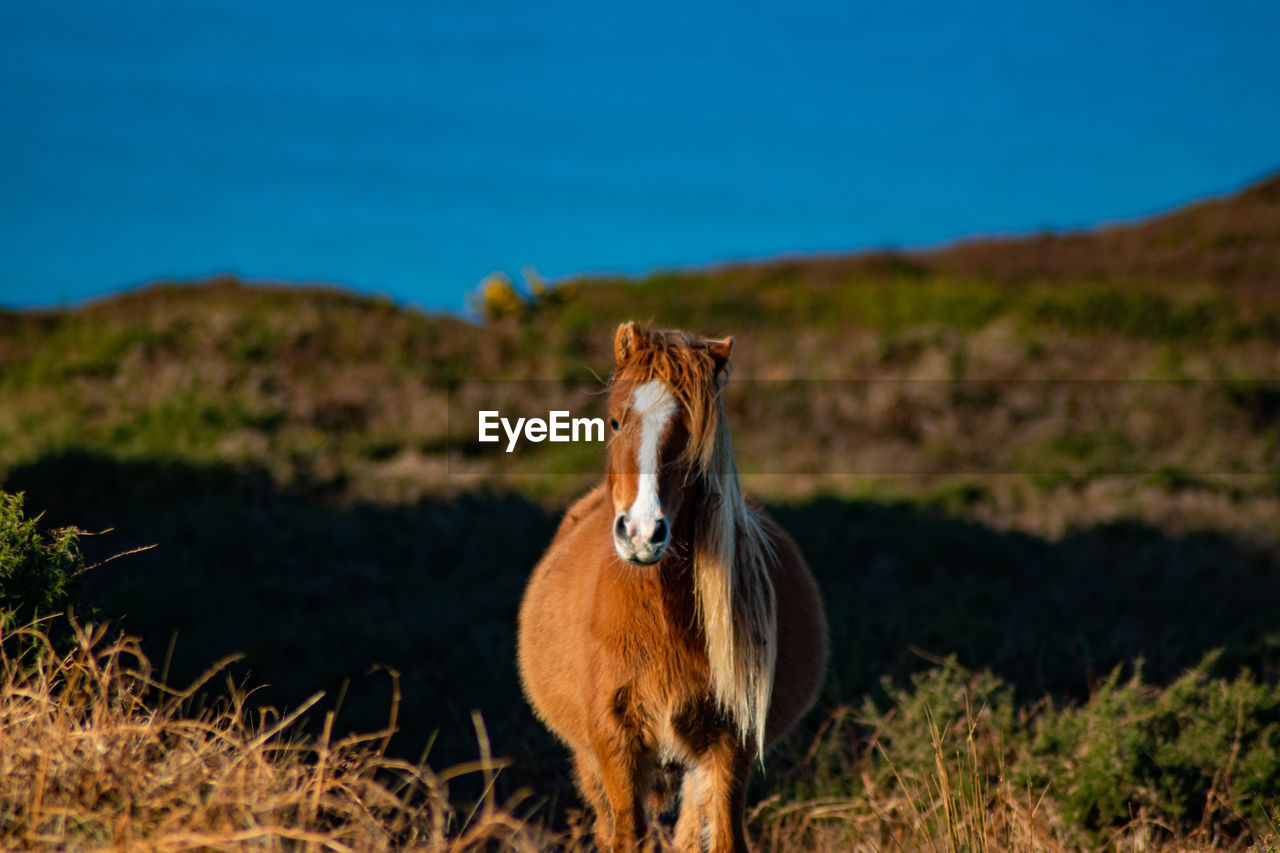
(676, 573)
(685, 531)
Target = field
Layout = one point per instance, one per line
(1053, 601)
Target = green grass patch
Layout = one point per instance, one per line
(1086, 309)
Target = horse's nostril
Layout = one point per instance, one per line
(659, 532)
(620, 527)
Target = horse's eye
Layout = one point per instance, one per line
(613, 422)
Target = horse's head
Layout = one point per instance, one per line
(663, 411)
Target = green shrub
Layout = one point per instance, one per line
(1201, 752)
(950, 723)
(38, 571)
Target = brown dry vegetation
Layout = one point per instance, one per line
(97, 754)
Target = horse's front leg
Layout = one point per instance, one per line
(626, 772)
(591, 786)
(725, 768)
(691, 823)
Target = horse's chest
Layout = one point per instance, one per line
(651, 636)
(656, 670)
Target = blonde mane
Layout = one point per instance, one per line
(731, 550)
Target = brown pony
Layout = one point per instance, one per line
(671, 625)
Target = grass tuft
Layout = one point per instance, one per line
(96, 752)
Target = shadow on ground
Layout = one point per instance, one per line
(315, 593)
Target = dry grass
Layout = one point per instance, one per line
(97, 754)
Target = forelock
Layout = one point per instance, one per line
(681, 362)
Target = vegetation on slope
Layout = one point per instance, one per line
(320, 386)
(961, 494)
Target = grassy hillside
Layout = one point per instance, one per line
(916, 420)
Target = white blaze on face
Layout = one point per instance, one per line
(655, 405)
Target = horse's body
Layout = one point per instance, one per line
(691, 638)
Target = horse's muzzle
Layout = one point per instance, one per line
(641, 544)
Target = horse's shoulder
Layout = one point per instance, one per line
(583, 508)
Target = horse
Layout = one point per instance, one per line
(671, 628)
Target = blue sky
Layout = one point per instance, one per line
(409, 149)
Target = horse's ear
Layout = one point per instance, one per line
(626, 341)
(720, 352)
